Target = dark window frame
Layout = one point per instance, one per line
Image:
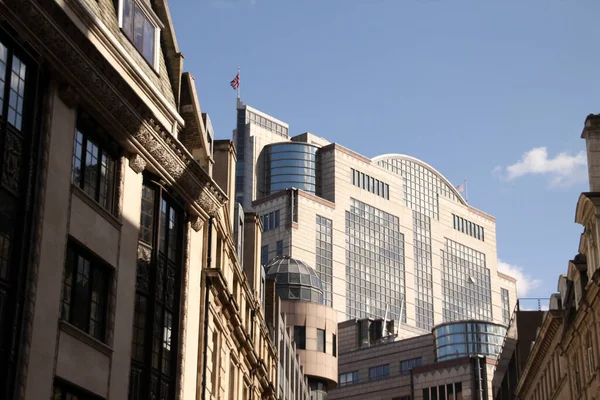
(300, 337)
(157, 310)
(334, 345)
(91, 132)
(62, 388)
(321, 340)
(97, 268)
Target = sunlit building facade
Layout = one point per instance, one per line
(389, 236)
(119, 275)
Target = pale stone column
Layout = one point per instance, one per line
(194, 300)
(52, 253)
(591, 134)
(126, 276)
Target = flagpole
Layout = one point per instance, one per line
(466, 192)
(239, 83)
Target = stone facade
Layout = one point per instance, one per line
(119, 274)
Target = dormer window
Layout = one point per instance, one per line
(141, 25)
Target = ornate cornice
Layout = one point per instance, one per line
(102, 88)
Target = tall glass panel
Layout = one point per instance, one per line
(324, 252)
(375, 273)
(423, 270)
(466, 286)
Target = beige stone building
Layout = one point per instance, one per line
(565, 357)
(388, 234)
(126, 269)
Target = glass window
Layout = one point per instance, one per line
(407, 365)
(300, 337)
(321, 345)
(264, 254)
(348, 378)
(156, 313)
(375, 245)
(140, 28)
(279, 248)
(379, 372)
(94, 167)
(17, 89)
(334, 345)
(505, 306)
(85, 292)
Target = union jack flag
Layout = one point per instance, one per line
(235, 83)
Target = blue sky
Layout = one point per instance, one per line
(478, 89)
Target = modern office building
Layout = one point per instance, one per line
(387, 236)
(454, 362)
(564, 362)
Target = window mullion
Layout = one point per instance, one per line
(81, 182)
(155, 304)
(98, 174)
(75, 269)
(88, 309)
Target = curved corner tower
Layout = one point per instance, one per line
(312, 324)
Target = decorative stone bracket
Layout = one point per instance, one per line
(196, 222)
(137, 163)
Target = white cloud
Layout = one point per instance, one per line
(561, 170)
(525, 283)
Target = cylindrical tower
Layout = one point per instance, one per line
(288, 165)
(468, 338)
(312, 324)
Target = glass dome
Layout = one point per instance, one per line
(295, 280)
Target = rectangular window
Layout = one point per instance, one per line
(321, 345)
(379, 372)
(64, 391)
(85, 292)
(348, 378)
(94, 165)
(157, 304)
(334, 345)
(324, 256)
(505, 306)
(369, 184)
(300, 337)
(270, 220)
(264, 254)
(407, 365)
(279, 248)
(141, 25)
(467, 227)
